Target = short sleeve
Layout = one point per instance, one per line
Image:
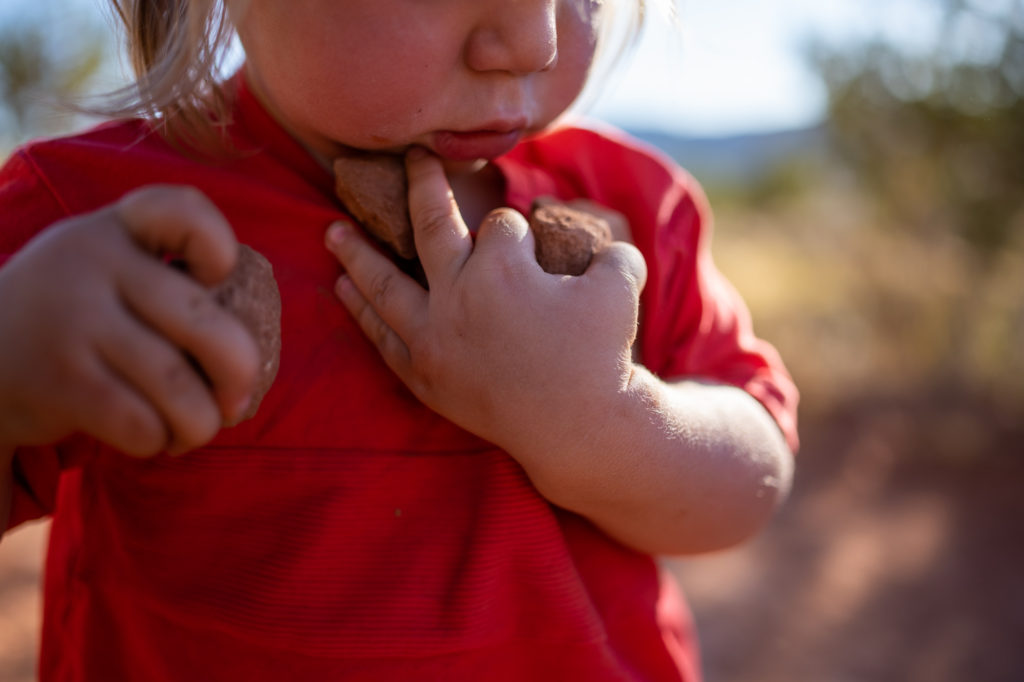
(27, 204)
(693, 322)
(36, 474)
(698, 325)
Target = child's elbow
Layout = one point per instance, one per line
(736, 510)
(755, 500)
(763, 500)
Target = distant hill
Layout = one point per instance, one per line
(738, 157)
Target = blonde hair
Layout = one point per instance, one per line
(177, 50)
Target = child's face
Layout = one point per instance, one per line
(465, 78)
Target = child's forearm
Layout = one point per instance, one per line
(670, 468)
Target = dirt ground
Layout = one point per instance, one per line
(899, 558)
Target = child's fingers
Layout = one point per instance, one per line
(186, 315)
(390, 345)
(442, 240)
(109, 409)
(164, 377)
(181, 221)
(395, 299)
(506, 235)
(618, 260)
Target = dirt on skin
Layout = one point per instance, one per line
(898, 558)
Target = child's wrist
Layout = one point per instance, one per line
(586, 452)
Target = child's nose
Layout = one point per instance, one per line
(516, 36)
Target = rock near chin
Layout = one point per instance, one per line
(374, 189)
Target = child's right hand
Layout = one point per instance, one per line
(101, 336)
(495, 343)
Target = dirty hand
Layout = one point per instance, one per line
(101, 336)
(519, 357)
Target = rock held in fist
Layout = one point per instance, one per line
(251, 293)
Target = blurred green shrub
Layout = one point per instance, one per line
(46, 60)
(893, 272)
(937, 131)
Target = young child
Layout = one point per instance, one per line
(466, 482)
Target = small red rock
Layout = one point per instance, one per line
(567, 238)
(375, 191)
(251, 293)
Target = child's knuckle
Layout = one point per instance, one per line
(130, 428)
(382, 289)
(139, 437)
(202, 309)
(377, 329)
(177, 376)
(433, 220)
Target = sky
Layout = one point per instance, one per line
(736, 66)
(725, 67)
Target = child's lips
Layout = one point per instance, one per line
(485, 143)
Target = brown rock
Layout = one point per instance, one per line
(567, 238)
(251, 293)
(375, 191)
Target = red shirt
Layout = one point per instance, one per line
(347, 532)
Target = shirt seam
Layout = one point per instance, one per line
(44, 179)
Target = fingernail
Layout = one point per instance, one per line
(241, 408)
(336, 232)
(343, 285)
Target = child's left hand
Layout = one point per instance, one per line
(498, 346)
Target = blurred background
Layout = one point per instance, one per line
(865, 161)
